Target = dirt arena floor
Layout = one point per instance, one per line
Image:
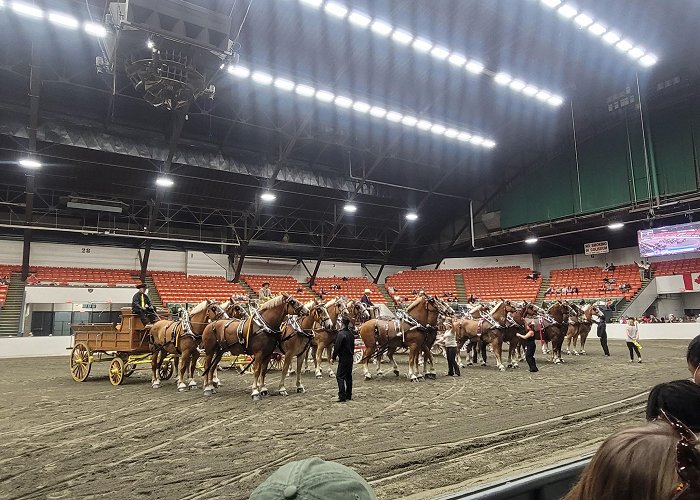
(62, 439)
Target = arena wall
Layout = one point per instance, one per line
(522, 260)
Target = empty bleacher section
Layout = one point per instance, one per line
(590, 284)
(178, 288)
(278, 284)
(675, 267)
(493, 283)
(67, 276)
(352, 288)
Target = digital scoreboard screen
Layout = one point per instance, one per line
(669, 240)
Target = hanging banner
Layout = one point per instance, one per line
(595, 248)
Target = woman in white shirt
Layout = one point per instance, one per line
(632, 338)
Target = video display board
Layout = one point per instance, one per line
(669, 240)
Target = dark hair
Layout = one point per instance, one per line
(693, 355)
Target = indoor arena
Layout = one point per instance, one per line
(331, 249)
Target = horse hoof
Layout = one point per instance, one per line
(256, 397)
(264, 393)
(192, 385)
(319, 376)
(155, 385)
(207, 392)
(379, 374)
(368, 376)
(396, 373)
(483, 363)
(301, 390)
(307, 371)
(469, 364)
(331, 374)
(283, 393)
(217, 384)
(502, 368)
(582, 352)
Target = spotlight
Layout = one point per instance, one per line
(150, 43)
(411, 216)
(531, 240)
(27, 10)
(95, 29)
(268, 196)
(30, 163)
(616, 225)
(163, 181)
(350, 208)
(63, 20)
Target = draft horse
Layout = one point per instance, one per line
(258, 336)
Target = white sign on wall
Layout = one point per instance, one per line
(595, 248)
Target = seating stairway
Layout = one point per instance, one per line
(11, 312)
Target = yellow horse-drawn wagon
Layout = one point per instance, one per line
(124, 346)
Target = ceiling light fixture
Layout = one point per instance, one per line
(531, 240)
(359, 19)
(583, 20)
(411, 216)
(350, 208)
(63, 20)
(28, 10)
(616, 225)
(551, 3)
(361, 107)
(268, 196)
(567, 11)
(95, 29)
(304, 90)
(381, 28)
(30, 163)
(597, 29)
(336, 9)
(284, 84)
(164, 181)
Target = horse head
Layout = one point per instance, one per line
(320, 315)
(215, 310)
(358, 311)
(293, 306)
(236, 310)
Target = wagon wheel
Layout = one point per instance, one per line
(80, 362)
(166, 370)
(129, 369)
(116, 371)
(357, 357)
(276, 362)
(436, 350)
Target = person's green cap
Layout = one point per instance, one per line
(314, 479)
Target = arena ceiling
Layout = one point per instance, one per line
(225, 151)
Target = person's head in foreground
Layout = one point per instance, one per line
(314, 479)
(656, 462)
(680, 398)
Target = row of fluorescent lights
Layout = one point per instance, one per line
(342, 101)
(531, 240)
(57, 18)
(608, 35)
(425, 46)
(165, 181)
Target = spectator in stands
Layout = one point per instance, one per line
(265, 293)
(5, 280)
(602, 333)
(609, 267)
(391, 290)
(322, 292)
(681, 398)
(528, 341)
(314, 478)
(141, 306)
(653, 462)
(345, 278)
(632, 339)
(625, 287)
(534, 275)
(472, 299)
(32, 280)
(335, 286)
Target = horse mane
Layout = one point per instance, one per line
(496, 307)
(199, 307)
(272, 303)
(310, 304)
(415, 302)
(331, 302)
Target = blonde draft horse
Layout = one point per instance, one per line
(181, 339)
(296, 340)
(233, 310)
(258, 335)
(324, 339)
(411, 330)
(581, 329)
(445, 312)
(484, 331)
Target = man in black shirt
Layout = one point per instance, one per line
(344, 349)
(141, 305)
(602, 334)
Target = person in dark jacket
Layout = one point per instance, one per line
(344, 350)
(528, 341)
(141, 305)
(603, 335)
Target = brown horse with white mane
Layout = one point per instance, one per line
(412, 329)
(297, 336)
(181, 338)
(490, 328)
(258, 335)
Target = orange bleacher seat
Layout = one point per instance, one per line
(279, 284)
(674, 267)
(177, 287)
(589, 281)
(352, 288)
